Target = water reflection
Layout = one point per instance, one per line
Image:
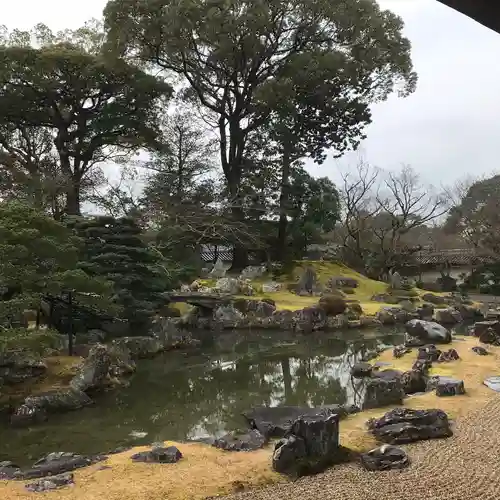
(178, 397)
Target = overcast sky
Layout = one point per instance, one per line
(450, 127)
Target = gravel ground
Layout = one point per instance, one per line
(464, 467)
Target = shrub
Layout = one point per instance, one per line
(332, 305)
(36, 341)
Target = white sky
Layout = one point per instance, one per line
(447, 129)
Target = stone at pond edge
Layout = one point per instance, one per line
(380, 392)
(161, 455)
(493, 383)
(360, 370)
(313, 443)
(428, 331)
(57, 463)
(277, 421)
(405, 425)
(93, 373)
(8, 470)
(246, 441)
(449, 387)
(51, 483)
(385, 457)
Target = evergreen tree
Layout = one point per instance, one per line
(114, 249)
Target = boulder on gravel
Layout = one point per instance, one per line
(428, 331)
(311, 445)
(159, 455)
(241, 441)
(385, 457)
(8, 470)
(422, 365)
(405, 425)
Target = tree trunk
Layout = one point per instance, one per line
(284, 199)
(73, 200)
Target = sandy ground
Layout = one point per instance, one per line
(463, 467)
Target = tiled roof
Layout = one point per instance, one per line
(456, 257)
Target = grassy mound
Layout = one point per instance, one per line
(205, 471)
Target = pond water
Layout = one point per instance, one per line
(178, 397)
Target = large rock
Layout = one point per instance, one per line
(93, 374)
(380, 392)
(122, 362)
(429, 352)
(385, 457)
(413, 381)
(238, 441)
(158, 454)
(428, 331)
(405, 425)
(392, 315)
(167, 332)
(425, 312)
(218, 271)
(228, 316)
(449, 355)
(447, 316)
(276, 422)
(332, 305)
(58, 463)
(311, 445)
(361, 370)
(253, 272)
(59, 400)
(308, 282)
(434, 299)
(17, 366)
(480, 327)
(8, 470)
(447, 386)
(141, 347)
(228, 285)
(309, 319)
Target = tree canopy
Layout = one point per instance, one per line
(95, 109)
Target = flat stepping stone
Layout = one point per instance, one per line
(493, 383)
(385, 457)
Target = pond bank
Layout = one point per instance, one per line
(205, 471)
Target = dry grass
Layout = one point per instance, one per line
(205, 471)
(202, 472)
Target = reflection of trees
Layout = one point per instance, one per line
(172, 397)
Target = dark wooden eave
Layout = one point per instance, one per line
(486, 12)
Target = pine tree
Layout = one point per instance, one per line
(115, 250)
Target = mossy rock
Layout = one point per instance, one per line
(349, 291)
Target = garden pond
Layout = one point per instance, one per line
(179, 396)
